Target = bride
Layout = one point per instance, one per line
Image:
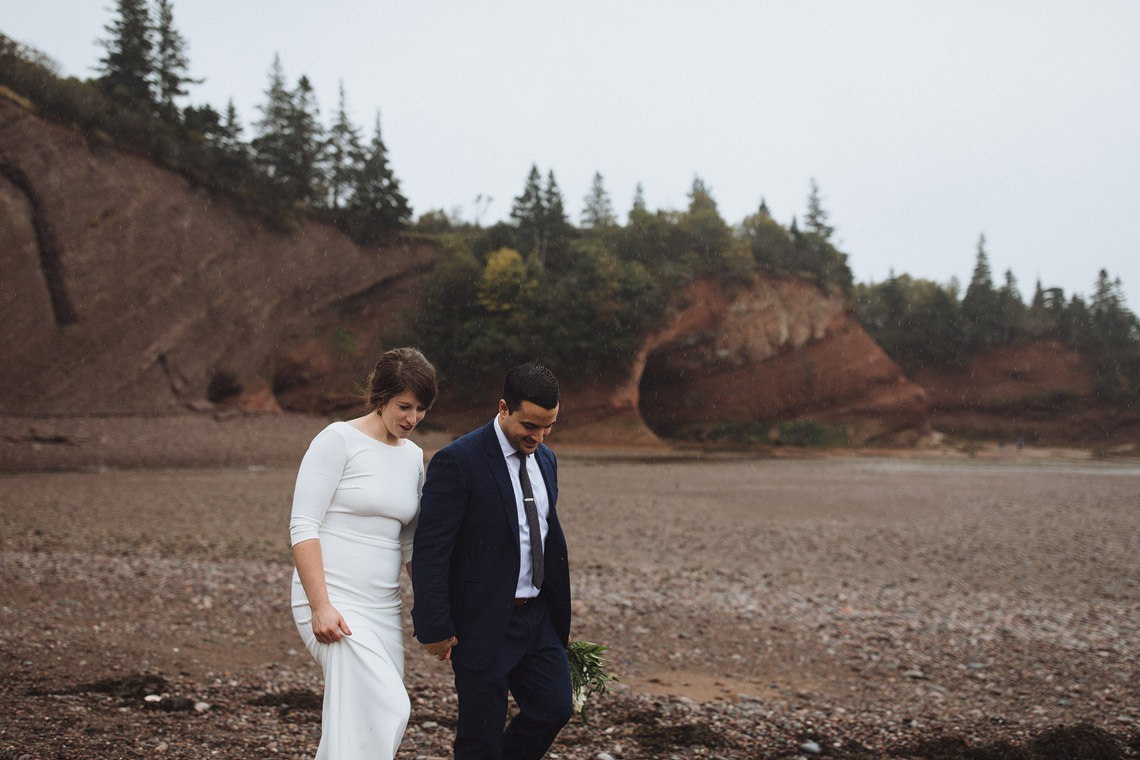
(354, 514)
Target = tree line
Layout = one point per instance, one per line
(581, 298)
(920, 323)
(292, 162)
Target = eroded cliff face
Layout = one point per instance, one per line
(776, 350)
(127, 289)
(1040, 392)
(745, 357)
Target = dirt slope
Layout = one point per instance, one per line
(128, 289)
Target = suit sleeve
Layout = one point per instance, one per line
(442, 510)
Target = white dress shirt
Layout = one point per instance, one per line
(525, 588)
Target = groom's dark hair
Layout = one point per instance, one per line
(530, 382)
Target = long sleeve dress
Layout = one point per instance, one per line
(360, 497)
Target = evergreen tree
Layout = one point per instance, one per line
(230, 141)
(270, 145)
(529, 214)
(598, 210)
(1111, 324)
(980, 304)
(290, 146)
(202, 121)
(306, 146)
(128, 68)
(171, 64)
(345, 154)
(816, 218)
(701, 238)
(376, 208)
(1010, 310)
(1113, 340)
(1039, 322)
(639, 198)
(700, 197)
(643, 237)
(556, 230)
(771, 244)
(233, 167)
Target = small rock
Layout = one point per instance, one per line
(914, 673)
(428, 724)
(201, 706)
(811, 748)
(604, 756)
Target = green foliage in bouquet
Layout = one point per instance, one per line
(587, 673)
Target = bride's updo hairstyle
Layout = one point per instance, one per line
(399, 370)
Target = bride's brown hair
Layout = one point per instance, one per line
(398, 370)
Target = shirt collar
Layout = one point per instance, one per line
(508, 449)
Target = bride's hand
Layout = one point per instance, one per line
(328, 624)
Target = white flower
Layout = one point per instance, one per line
(587, 673)
(579, 699)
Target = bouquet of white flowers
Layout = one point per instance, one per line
(587, 673)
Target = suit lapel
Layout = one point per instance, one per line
(498, 467)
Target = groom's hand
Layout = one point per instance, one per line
(441, 650)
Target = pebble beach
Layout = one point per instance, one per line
(846, 605)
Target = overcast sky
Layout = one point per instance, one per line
(924, 123)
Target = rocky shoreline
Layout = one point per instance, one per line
(754, 608)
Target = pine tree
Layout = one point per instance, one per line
(816, 218)
(1011, 310)
(233, 154)
(598, 210)
(345, 154)
(376, 208)
(128, 68)
(306, 146)
(639, 198)
(171, 64)
(230, 141)
(700, 197)
(555, 225)
(701, 231)
(528, 212)
(1108, 318)
(980, 304)
(270, 149)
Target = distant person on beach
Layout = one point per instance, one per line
(354, 515)
(491, 575)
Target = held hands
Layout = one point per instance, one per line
(328, 624)
(441, 650)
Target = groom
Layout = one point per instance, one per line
(491, 577)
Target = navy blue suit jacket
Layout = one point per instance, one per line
(465, 563)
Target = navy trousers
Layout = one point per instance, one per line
(532, 666)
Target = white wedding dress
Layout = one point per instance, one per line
(361, 498)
